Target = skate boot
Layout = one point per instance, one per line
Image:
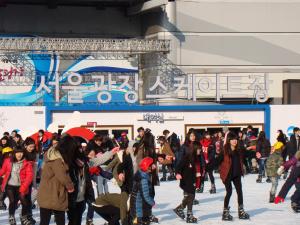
(268, 180)
(259, 179)
(213, 189)
(195, 202)
(272, 198)
(171, 177)
(2, 205)
(179, 212)
(190, 218)
(295, 207)
(89, 222)
(226, 215)
(12, 220)
(163, 179)
(25, 221)
(242, 214)
(30, 218)
(153, 219)
(201, 189)
(142, 221)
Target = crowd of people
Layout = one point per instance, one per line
(63, 174)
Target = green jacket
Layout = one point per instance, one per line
(273, 163)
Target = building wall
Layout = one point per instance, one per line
(68, 22)
(285, 118)
(27, 119)
(227, 35)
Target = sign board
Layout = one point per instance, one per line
(91, 124)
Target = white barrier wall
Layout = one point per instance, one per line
(284, 117)
(26, 119)
(174, 121)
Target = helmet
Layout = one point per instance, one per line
(6, 150)
(145, 164)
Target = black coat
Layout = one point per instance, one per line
(292, 146)
(187, 169)
(126, 167)
(89, 191)
(211, 153)
(264, 148)
(292, 179)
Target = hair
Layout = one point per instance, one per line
(41, 131)
(98, 137)
(281, 137)
(227, 147)
(28, 141)
(296, 129)
(187, 141)
(140, 129)
(166, 132)
(15, 131)
(250, 127)
(16, 149)
(7, 141)
(161, 138)
(67, 148)
(261, 136)
(5, 133)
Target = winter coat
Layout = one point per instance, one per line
(55, 182)
(209, 153)
(293, 178)
(174, 142)
(26, 175)
(225, 161)
(264, 148)
(126, 167)
(274, 161)
(292, 146)
(89, 196)
(166, 151)
(187, 169)
(142, 196)
(113, 165)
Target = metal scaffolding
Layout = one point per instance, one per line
(83, 45)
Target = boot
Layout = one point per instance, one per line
(179, 212)
(213, 189)
(25, 221)
(242, 214)
(195, 202)
(259, 179)
(295, 207)
(142, 221)
(89, 222)
(30, 218)
(226, 215)
(171, 177)
(163, 179)
(190, 218)
(3, 205)
(153, 219)
(268, 180)
(272, 198)
(12, 220)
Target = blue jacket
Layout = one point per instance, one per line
(142, 197)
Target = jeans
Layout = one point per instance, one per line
(102, 186)
(90, 212)
(187, 201)
(262, 163)
(45, 215)
(274, 181)
(110, 213)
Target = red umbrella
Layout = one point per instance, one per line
(82, 132)
(47, 136)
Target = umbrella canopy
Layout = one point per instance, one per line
(47, 136)
(82, 132)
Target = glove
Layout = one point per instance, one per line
(278, 199)
(280, 170)
(94, 170)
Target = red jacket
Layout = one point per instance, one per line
(26, 175)
(226, 166)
